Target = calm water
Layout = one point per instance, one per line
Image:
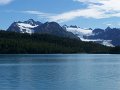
(60, 72)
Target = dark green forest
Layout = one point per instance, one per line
(16, 43)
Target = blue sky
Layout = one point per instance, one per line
(84, 13)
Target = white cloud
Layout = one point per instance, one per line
(87, 13)
(62, 17)
(94, 9)
(3, 2)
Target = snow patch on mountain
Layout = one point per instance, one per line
(26, 25)
(107, 43)
(80, 32)
(26, 28)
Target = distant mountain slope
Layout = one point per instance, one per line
(92, 35)
(111, 35)
(54, 28)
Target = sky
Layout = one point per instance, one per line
(83, 13)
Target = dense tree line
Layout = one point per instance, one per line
(16, 43)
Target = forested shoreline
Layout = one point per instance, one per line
(17, 43)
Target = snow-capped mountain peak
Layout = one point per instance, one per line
(24, 27)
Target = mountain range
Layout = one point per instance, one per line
(30, 26)
(108, 37)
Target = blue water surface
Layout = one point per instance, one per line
(60, 72)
